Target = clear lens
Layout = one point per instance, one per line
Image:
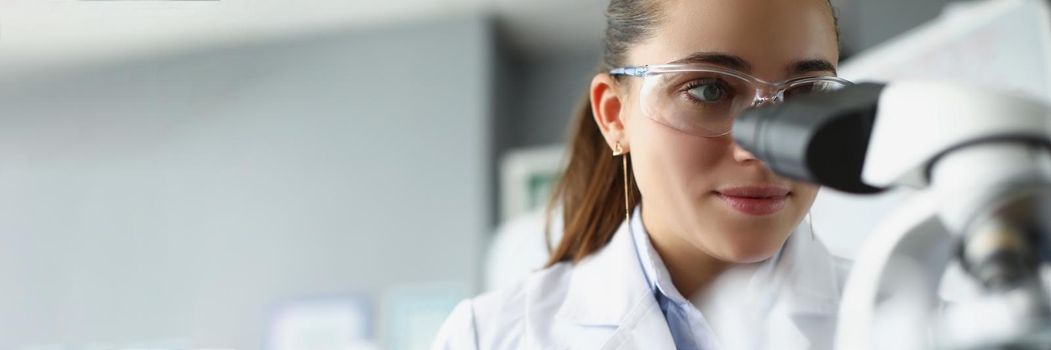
(812, 85)
(696, 102)
(704, 103)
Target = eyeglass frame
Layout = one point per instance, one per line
(779, 87)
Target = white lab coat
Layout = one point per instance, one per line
(604, 302)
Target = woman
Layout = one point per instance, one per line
(674, 236)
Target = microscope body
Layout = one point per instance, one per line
(980, 162)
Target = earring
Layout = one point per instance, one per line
(618, 151)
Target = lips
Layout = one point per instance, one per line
(754, 200)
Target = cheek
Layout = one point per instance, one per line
(806, 193)
(666, 160)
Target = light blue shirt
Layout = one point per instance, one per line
(689, 328)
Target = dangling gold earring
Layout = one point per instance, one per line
(618, 151)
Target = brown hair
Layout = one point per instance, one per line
(591, 190)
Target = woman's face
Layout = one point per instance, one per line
(686, 180)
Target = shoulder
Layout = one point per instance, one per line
(499, 319)
(459, 329)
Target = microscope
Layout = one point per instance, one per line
(979, 161)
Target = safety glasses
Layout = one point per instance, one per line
(702, 99)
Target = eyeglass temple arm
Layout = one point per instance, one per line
(632, 71)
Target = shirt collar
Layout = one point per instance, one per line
(657, 277)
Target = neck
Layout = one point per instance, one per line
(692, 270)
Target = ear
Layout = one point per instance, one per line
(606, 107)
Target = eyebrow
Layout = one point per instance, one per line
(810, 66)
(719, 59)
(738, 63)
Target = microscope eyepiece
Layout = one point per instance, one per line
(820, 138)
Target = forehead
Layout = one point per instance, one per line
(770, 35)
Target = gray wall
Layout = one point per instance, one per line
(868, 23)
(538, 94)
(182, 197)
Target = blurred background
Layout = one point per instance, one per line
(264, 174)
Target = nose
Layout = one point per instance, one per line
(741, 154)
(765, 100)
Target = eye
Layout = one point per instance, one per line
(708, 91)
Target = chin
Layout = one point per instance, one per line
(745, 251)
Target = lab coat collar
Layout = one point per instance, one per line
(606, 285)
(809, 288)
(808, 273)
